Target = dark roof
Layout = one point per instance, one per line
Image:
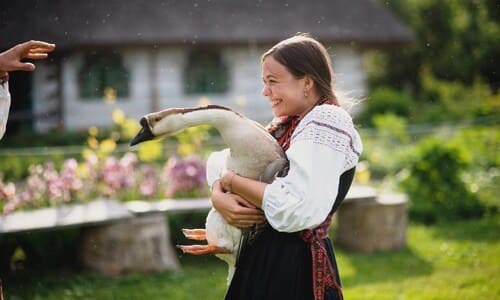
(75, 23)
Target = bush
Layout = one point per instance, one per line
(483, 175)
(15, 167)
(452, 100)
(52, 138)
(483, 143)
(385, 100)
(435, 186)
(386, 147)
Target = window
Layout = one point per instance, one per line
(103, 75)
(205, 73)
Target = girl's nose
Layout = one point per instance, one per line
(265, 91)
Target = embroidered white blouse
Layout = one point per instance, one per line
(4, 107)
(324, 145)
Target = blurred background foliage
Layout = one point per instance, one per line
(430, 128)
(430, 123)
(458, 41)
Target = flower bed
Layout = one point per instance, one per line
(124, 178)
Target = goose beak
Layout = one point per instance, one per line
(144, 134)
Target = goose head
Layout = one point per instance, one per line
(174, 120)
(159, 124)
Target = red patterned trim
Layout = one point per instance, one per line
(323, 275)
(351, 142)
(284, 129)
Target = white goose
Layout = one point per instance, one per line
(254, 153)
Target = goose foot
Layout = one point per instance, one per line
(203, 249)
(195, 234)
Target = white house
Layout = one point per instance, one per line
(141, 56)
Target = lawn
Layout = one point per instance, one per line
(459, 260)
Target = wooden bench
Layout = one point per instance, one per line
(74, 215)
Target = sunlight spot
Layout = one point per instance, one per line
(109, 95)
(204, 101)
(118, 116)
(241, 101)
(93, 131)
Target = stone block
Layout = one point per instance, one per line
(139, 244)
(379, 224)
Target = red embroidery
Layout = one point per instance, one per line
(323, 273)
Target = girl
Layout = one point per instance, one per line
(293, 258)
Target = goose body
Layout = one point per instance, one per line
(253, 153)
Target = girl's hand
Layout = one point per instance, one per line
(227, 180)
(234, 209)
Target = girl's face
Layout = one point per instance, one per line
(284, 91)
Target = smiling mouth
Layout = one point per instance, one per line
(275, 102)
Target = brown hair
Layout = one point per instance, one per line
(303, 56)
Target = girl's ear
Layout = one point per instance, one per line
(308, 83)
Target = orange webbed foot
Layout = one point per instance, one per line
(203, 249)
(195, 234)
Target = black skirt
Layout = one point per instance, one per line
(275, 266)
(278, 265)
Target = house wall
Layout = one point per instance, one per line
(244, 89)
(45, 96)
(156, 82)
(80, 114)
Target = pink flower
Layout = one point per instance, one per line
(148, 188)
(7, 191)
(185, 175)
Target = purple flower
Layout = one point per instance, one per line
(123, 178)
(185, 176)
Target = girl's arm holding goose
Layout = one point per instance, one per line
(236, 210)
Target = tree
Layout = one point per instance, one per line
(455, 40)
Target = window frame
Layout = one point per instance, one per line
(205, 72)
(107, 73)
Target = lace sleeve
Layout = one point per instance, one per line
(332, 127)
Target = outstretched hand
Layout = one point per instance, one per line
(10, 60)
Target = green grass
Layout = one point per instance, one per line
(459, 260)
(199, 278)
(446, 261)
